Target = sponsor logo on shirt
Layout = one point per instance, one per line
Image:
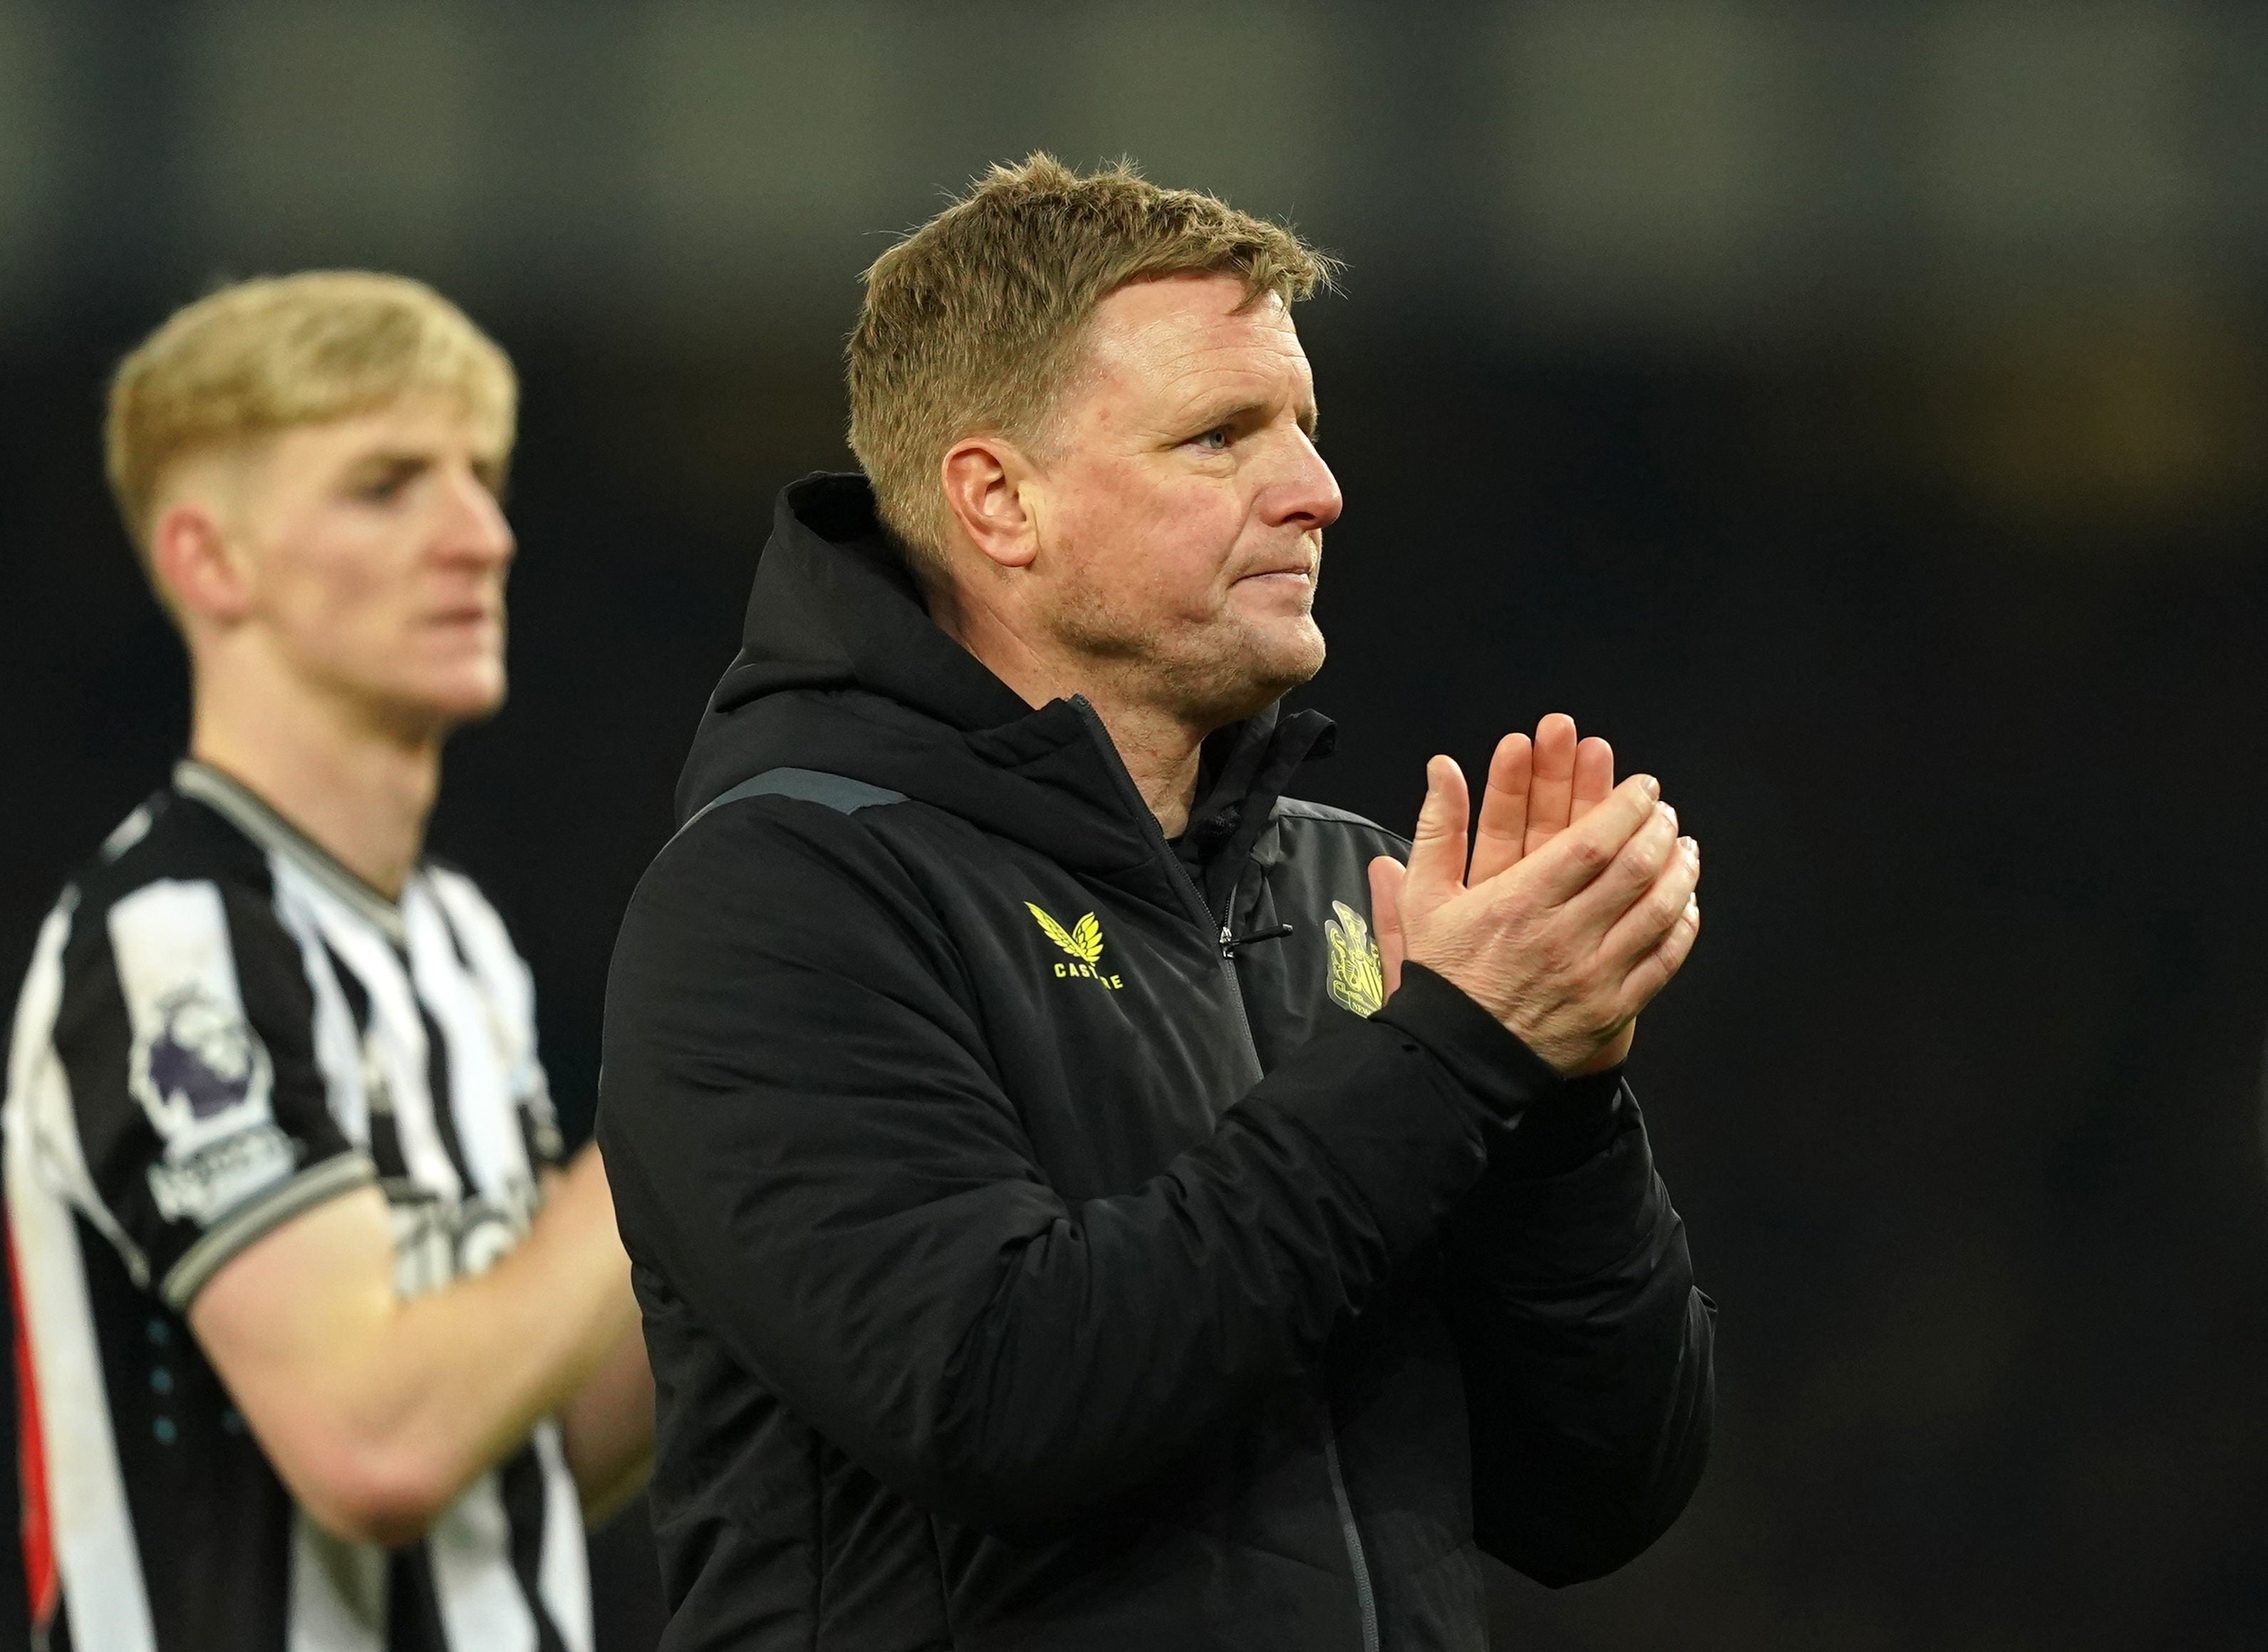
(439, 1240)
(1083, 941)
(1358, 973)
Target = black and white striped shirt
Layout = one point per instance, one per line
(223, 1027)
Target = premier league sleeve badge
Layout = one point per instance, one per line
(197, 1066)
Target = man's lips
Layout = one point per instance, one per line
(464, 628)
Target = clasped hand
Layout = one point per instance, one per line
(1578, 905)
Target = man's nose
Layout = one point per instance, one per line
(475, 530)
(1306, 496)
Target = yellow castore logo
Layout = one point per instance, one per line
(1083, 941)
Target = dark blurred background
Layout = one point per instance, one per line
(1858, 412)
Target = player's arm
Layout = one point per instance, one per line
(608, 1427)
(378, 1410)
(1587, 1353)
(1585, 1348)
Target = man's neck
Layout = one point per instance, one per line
(359, 789)
(1160, 750)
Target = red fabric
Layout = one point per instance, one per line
(40, 1582)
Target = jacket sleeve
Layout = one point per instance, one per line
(808, 1144)
(1586, 1349)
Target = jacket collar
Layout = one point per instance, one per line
(841, 668)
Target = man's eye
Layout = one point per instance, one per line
(1215, 440)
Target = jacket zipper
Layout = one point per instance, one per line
(1364, 1600)
(1225, 943)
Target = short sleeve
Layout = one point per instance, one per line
(186, 1036)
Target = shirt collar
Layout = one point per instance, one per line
(251, 815)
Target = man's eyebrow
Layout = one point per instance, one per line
(1208, 416)
(489, 467)
(392, 459)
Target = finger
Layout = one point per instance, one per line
(1553, 790)
(1624, 884)
(1655, 971)
(1501, 836)
(1437, 848)
(1651, 917)
(1576, 857)
(1386, 875)
(1594, 776)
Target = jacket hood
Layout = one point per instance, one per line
(842, 670)
(833, 606)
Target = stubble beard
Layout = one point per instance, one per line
(1203, 676)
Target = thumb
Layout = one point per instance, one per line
(1386, 875)
(1437, 848)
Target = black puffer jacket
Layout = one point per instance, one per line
(1040, 1246)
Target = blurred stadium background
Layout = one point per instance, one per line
(1858, 411)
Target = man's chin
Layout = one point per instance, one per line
(432, 710)
(472, 701)
(1289, 660)
(1263, 675)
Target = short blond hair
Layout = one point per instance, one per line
(976, 322)
(260, 357)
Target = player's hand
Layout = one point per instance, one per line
(1535, 792)
(1536, 789)
(1580, 906)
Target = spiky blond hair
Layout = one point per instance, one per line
(262, 356)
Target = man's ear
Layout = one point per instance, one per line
(987, 489)
(194, 564)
